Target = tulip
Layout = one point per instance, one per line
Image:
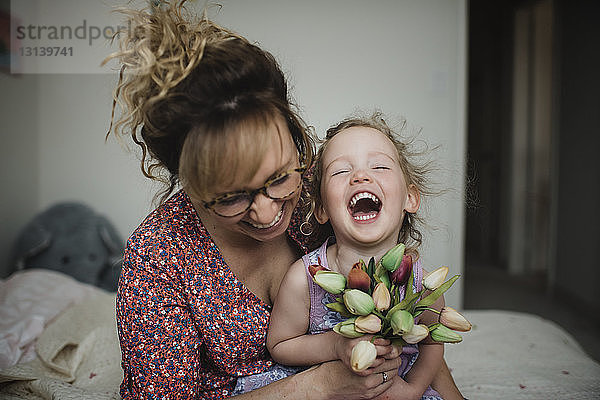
(358, 302)
(452, 319)
(392, 259)
(416, 334)
(381, 297)
(434, 279)
(331, 281)
(400, 276)
(313, 268)
(347, 329)
(443, 334)
(363, 355)
(381, 275)
(367, 324)
(401, 322)
(358, 278)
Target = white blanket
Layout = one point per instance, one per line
(507, 355)
(510, 355)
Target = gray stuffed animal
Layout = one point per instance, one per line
(73, 239)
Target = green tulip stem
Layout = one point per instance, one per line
(430, 309)
(378, 313)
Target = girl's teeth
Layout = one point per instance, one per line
(365, 217)
(363, 195)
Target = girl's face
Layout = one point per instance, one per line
(266, 218)
(363, 190)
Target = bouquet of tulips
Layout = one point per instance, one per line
(371, 300)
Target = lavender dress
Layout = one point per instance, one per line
(322, 319)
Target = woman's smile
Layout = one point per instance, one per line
(270, 224)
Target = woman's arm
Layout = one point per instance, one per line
(328, 381)
(158, 339)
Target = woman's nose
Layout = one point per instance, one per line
(263, 209)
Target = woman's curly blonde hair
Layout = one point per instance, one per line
(190, 90)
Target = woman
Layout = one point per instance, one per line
(201, 272)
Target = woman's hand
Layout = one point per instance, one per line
(333, 380)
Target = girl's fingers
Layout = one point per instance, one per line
(381, 342)
(394, 352)
(389, 351)
(383, 351)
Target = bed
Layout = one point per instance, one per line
(58, 341)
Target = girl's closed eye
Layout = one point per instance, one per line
(340, 172)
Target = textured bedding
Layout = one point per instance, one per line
(507, 355)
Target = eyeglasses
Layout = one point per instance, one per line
(278, 188)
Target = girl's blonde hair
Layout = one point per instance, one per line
(416, 172)
(196, 98)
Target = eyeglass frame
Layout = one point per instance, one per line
(252, 193)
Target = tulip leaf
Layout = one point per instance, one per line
(398, 341)
(433, 326)
(408, 299)
(371, 272)
(433, 296)
(340, 308)
(411, 280)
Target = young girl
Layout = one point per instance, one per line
(368, 192)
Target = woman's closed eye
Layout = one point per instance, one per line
(232, 200)
(281, 180)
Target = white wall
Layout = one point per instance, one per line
(19, 158)
(406, 58)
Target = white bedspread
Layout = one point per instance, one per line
(507, 355)
(511, 355)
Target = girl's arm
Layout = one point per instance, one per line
(287, 339)
(431, 354)
(425, 369)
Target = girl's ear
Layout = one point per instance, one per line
(320, 215)
(413, 199)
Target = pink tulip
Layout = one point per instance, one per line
(400, 275)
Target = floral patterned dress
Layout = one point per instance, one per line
(188, 328)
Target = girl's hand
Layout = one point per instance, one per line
(385, 351)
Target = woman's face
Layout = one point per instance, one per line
(363, 190)
(266, 218)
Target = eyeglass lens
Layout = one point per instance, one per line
(277, 189)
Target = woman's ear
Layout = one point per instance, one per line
(413, 199)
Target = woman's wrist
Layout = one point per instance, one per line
(312, 384)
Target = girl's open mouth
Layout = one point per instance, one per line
(364, 206)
